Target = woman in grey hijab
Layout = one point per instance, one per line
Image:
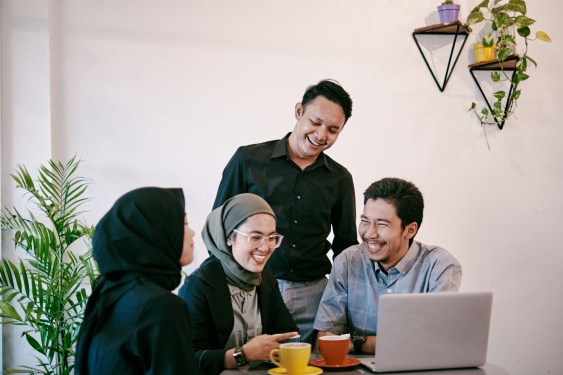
(238, 314)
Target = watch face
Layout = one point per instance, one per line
(358, 336)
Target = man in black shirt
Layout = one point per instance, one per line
(310, 193)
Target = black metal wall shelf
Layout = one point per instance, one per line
(456, 29)
(509, 64)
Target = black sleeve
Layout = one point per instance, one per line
(164, 341)
(208, 351)
(232, 181)
(343, 218)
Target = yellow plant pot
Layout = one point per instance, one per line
(484, 53)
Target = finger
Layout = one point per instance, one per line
(283, 336)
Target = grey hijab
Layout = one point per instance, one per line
(218, 227)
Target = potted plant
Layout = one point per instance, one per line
(509, 26)
(44, 291)
(448, 11)
(486, 49)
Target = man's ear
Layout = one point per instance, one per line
(298, 111)
(410, 230)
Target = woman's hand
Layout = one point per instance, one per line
(259, 348)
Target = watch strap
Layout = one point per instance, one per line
(240, 359)
(357, 346)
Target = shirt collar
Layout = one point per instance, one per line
(408, 260)
(280, 150)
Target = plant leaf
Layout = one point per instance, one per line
(523, 31)
(543, 36)
(499, 94)
(523, 21)
(475, 17)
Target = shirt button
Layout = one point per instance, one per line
(389, 291)
(293, 245)
(299, 197)
(295, 221)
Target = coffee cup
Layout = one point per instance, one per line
(334, 349)
(293, 356)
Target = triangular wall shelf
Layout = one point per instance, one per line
(456, 29)
(509, 64)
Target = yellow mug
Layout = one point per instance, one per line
(293, 356)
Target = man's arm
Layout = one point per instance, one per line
(447, 279)
(232, 180)
(343, 218)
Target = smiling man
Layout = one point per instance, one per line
(387, 261)
(310, 193)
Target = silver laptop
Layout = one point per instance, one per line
(424, 331)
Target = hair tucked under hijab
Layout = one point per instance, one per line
(140, 238)
(220, 224)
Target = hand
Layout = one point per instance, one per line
(259, 348)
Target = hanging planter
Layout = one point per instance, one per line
(448, 11)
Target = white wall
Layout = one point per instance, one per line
(162, 93)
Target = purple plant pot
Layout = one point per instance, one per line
(448, 13)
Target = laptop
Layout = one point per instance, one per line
(426, 331)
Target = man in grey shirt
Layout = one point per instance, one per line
(387, 261)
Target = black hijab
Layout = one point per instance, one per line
(140, 238)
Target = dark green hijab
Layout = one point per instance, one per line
(219, 226)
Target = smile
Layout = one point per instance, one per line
(259, 257)
(375, 246)
(315, 143)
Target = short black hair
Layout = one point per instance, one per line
(331, 90)
(404, 195)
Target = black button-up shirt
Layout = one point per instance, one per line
(308, 204)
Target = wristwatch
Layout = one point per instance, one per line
(358, 338)
(240, 359)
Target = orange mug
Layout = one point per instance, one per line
(334, 349)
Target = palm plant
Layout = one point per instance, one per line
(45, 291)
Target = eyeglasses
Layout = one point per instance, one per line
(256, 240)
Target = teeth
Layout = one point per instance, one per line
(375, 245)
(259, 257)
(313, 142)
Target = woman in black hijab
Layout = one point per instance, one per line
(238, 314)
(133, 324)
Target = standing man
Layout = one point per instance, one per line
(310, 193)
(387, 261)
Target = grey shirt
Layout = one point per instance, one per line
(350, 299)
(247, 318)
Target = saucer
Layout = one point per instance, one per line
(309, 370)
(348, 362)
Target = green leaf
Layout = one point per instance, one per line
(475, 17)
(543, 36)
(499, 94)
(516, 94)
(495, 76)
(518, 6)
(523, 21)
(504, 53)
(523, 31)
(7, 311)
(488, 40)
